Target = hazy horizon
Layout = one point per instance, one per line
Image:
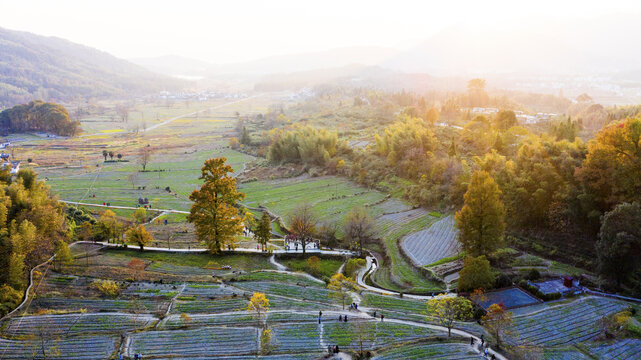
(224, 33)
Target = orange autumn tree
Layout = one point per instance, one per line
(214, 212)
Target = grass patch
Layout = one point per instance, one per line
(447, 259)
(327, 268)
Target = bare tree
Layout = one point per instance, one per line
(145, 156)
(123, 111)
(303, 224)
(359, 228)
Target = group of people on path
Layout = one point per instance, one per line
(483, 347)
(292, 243)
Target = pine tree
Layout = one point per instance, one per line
(214, 212)
(481, 220)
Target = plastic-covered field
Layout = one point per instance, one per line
(100, 305)
(566, 323)
(75, 324)
(510, 298)
(90, 348)
(209, 290)
(298, 279)
(429, 351)
(201, 306)
(386, 222)
(620, 349)
(297, 337)
(434, 243)
(376, 334)
(394, 303)
(294, 291)
(210, 341)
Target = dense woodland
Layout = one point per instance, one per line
(38, 116)
(557, 180)
(33, 227)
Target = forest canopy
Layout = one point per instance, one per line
(39, 116)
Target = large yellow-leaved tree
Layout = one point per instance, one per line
(481, 221)
(214, 212)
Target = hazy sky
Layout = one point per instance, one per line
(229, 31)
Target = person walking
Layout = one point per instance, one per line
(471, 340)
(345, 318)
(320, 313)
(340, 318)
(482, 340)
(382, 317)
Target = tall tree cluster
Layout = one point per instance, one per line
(32, 228)
(39, 116)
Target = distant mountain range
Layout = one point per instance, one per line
(53, 69)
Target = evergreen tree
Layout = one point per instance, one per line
(481, 220)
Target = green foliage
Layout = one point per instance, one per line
(619, 245)
(352, 266)
(446, 309)
(262, 234)
(9, 299)
(481, 220)
(140, 215)
(39, 116)
(303, 144)
(476, 273)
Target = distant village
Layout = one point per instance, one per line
(520, 115)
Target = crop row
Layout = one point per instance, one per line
(200, 342)
(71, 324)
(282, 289)
(209, 306)
(290, 278)
(429, 351)
(621, 349)
(568, 323)
(99, 305)
(430, 245)
(90, 348)
(296, 337)
(375, 334)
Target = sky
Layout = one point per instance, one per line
(234, 31)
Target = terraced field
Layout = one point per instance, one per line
(567, 323)
(445, 351)
(85, 347)
(206, 342)
(435, 243)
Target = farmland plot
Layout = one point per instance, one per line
(435, 243)
(89, 348)
(99, 305)
(211, 341)
(297, 337)
(429, 351)
(73, 324)
(209, 306)
(287, 290)
(376, 334)
(620, 349)
(566, 324)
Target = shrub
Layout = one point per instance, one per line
(352, 266)
(9, 299)
(533, 274)
(503, 281)
(476, 273)
(106, 287)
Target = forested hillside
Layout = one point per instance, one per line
(52, 69)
